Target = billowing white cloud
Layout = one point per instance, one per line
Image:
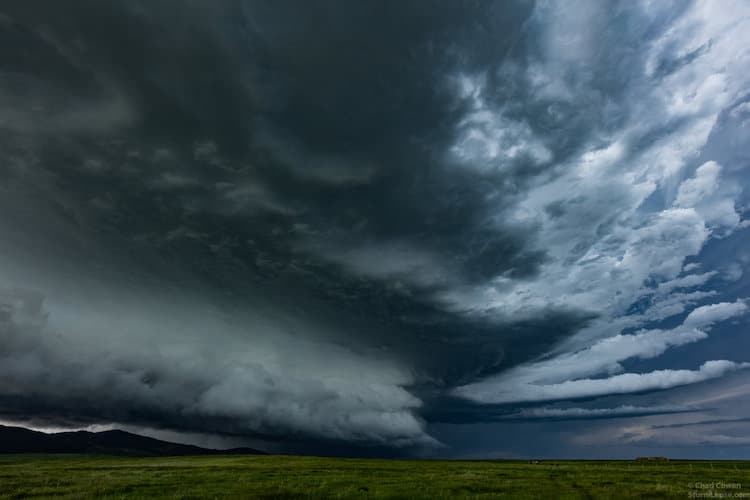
(489, 141)
(625, 383)
(713, 199)
(567, 370)
(705, 316)
(611, 244)
(694, 190)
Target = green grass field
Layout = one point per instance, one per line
(29, 476)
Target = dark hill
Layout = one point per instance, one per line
(21, 440)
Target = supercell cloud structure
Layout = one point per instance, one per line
(376, 227)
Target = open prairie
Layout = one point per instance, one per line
(60, 476)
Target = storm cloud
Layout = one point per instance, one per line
(341, 224)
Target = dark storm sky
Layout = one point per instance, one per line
(437, 228)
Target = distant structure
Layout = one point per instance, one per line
(652, 459)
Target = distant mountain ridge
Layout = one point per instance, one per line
(115, 442)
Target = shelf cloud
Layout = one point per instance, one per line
(369, 228)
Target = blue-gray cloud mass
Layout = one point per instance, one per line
(379, 227)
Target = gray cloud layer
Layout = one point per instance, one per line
(338, 221)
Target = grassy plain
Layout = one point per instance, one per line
(267, 477)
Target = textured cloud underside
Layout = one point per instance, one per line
(331, 223)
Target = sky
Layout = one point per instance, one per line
(464, 229)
